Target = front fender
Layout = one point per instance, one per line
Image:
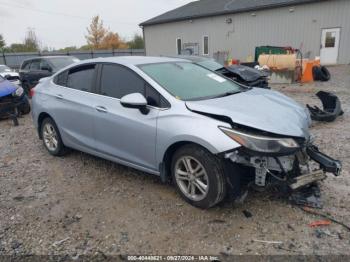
(192, 128)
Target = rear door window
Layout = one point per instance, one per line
(26, 65)
(44, 66)
(81, 78)
(35, 65)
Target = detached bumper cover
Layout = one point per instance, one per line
(331, 108)
(327, 163)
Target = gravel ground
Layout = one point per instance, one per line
(80, 204)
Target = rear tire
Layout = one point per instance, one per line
(198, 176)
(52, 138)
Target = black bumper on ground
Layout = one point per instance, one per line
(327, 164)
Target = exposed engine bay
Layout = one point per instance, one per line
(296, 174)
(305, 167)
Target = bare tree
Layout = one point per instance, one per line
(31, 41)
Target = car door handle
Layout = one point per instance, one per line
(101, 109)
(59, 96)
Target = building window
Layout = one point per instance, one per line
(178, 46)
(206, 45)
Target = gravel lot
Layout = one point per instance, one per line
(80, 204)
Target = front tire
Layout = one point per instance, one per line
(199, 176)
(52, 138)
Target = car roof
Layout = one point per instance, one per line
(132, 60)
(46, 57)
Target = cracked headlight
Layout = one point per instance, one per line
(18, 92)
(262, 144)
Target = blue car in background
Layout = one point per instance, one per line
(13, 101)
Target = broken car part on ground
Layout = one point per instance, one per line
(331, 107)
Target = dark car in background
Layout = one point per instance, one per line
(33, 69)
(239, 73)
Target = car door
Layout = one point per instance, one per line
(23, 72)
(72, 106)
(124, 133)
(45, 69)
(330, 40)
(33, 73)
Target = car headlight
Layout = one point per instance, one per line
(262, 144)
(18, 92)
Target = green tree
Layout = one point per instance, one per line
(2, 42)
(17, 47)
(68, 49)
(30, 44)
(137, 42)
(85, 47)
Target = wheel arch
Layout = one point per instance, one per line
(165, 165)
(41, 118)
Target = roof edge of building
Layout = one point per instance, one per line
(243, 10)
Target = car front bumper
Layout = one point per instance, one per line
(305, 167)
(9, 105)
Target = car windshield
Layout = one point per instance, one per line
(210, 64)
(188, 81)
(4, 68)
(61, 62)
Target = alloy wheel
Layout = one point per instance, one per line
(50, 137)
(192, 178)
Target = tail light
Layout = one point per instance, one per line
(32, 92)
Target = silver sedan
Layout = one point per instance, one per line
(187, 124)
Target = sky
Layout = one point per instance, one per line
(62, 23)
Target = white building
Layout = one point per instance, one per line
(237, 27)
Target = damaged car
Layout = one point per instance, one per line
(239, 73)
(9, 74)
(170, 117)
(13, 101)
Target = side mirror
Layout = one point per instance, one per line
(135, 100)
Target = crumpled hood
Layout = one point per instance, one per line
(261, 109)
(246, 73)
